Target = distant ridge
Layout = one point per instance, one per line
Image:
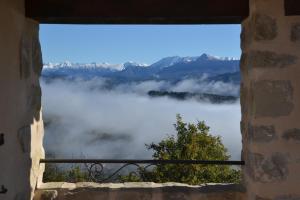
(204, 97)
(170, 68)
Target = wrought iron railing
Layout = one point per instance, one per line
(95, 167)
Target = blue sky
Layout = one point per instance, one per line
(140, 43)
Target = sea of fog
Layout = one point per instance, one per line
(85, 119)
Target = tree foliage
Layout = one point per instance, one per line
(73, 174)
(192, 142)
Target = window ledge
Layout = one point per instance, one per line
(138, 190)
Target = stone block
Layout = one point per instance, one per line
(261, 134)
(292, 134)
(49, 195)
(268, 59)
(295, 32)
(272, 98)
(264, 27)
(276, 167)
(267, 169)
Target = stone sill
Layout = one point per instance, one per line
(137, 190)
(208, 186)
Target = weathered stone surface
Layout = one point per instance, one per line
(246, 37)
(37, 62)
(287, 197)
(261, 198)
(243, 128)
(244, 62)
(295, 32)
(243, 37)
(276, 167)
(175, 193)
(244, 95)
(20, 196)
(292, 134)
(144, 191)
(272, 98)
(268, 59)
(261, 133)
(24, 136)
(84, 193)
(19, 156)
(264, 27)
(267, 169)
(49, 195)
(34, 100)
(26, 57)
(253, 161)
(129, 194)
(175, 196)
(31, 53)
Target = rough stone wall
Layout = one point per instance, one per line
(270, 99)
(21, 127)
(138, 191)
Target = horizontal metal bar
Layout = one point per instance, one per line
(113, 161)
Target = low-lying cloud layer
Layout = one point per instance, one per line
(84, 118)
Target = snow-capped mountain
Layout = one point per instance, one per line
(133, 64)
(169, 68)
(169, 61)
(67, 64)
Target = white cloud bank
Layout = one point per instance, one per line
(116, 124)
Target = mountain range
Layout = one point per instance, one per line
(170, 69)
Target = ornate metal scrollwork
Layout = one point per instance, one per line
(96, 171)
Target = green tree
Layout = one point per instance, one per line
(73, 174)
(192, 142)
